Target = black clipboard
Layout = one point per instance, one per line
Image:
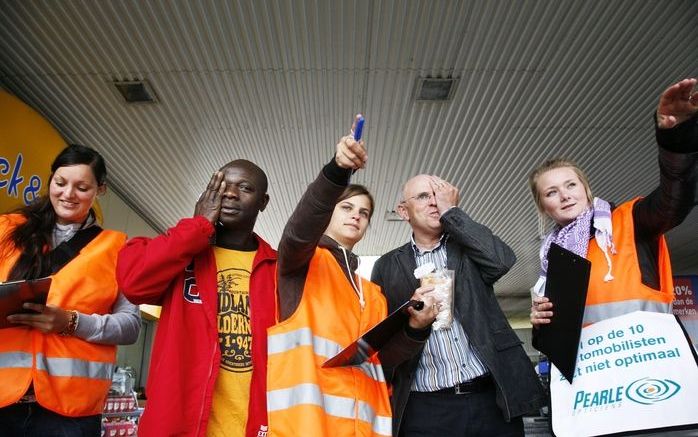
(566, 287)
(15, 293)
(375, 338)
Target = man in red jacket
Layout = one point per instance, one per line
(215, 281)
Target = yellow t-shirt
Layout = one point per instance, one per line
(231, 394)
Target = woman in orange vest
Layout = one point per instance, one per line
(324, 306)
(57, 358)
(630, 266)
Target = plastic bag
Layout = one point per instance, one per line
(442, 280)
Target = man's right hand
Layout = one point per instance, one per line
(445, 194)
(209, 203)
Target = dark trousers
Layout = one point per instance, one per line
(457, 415)
(30, 419)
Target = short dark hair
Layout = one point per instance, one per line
(254, 168)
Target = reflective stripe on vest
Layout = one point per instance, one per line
(346, 408)
(305, 399)
(280, 343)
(70, 376)
(16, 360)
(598, 312)
(70, 367)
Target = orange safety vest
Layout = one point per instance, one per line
(305, 399)
(626, 292)
(70, 376)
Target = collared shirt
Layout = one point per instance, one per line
(448, 357)
(63, 233)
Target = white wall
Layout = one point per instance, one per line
(120, 217)
(366, 266)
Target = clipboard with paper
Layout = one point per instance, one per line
(14, 294)
(375, 338)
(566, 286)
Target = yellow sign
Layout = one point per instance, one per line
(28, 146)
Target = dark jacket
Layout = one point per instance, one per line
(479, 259)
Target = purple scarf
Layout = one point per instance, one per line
(575, 238)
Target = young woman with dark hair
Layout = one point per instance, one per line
(56, 362)
(324, 306)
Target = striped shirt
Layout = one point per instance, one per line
(448, 357)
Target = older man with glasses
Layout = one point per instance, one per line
(472, 378)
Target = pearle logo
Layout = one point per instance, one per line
(649, 391)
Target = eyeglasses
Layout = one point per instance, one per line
(421, 198)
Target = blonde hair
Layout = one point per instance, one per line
(552, 164)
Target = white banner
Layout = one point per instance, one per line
(634, 372)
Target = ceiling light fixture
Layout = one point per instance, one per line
(434, 89)
(392, 216)
(135, 91)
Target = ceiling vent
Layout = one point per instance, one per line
(392, 216)
(136, 91)
(433, 89)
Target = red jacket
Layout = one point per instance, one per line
(186, 355)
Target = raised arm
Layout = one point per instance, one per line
(677, 137)
(309, 220)
(147, 266)
(493, 257)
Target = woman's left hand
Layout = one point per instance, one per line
(541, 311)
(677, 104)
(49, 318)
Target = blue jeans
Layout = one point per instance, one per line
(31, 419)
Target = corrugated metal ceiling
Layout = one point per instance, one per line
(277, 82)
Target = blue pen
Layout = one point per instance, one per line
(359, 128)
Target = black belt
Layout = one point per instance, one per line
(475, 385)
